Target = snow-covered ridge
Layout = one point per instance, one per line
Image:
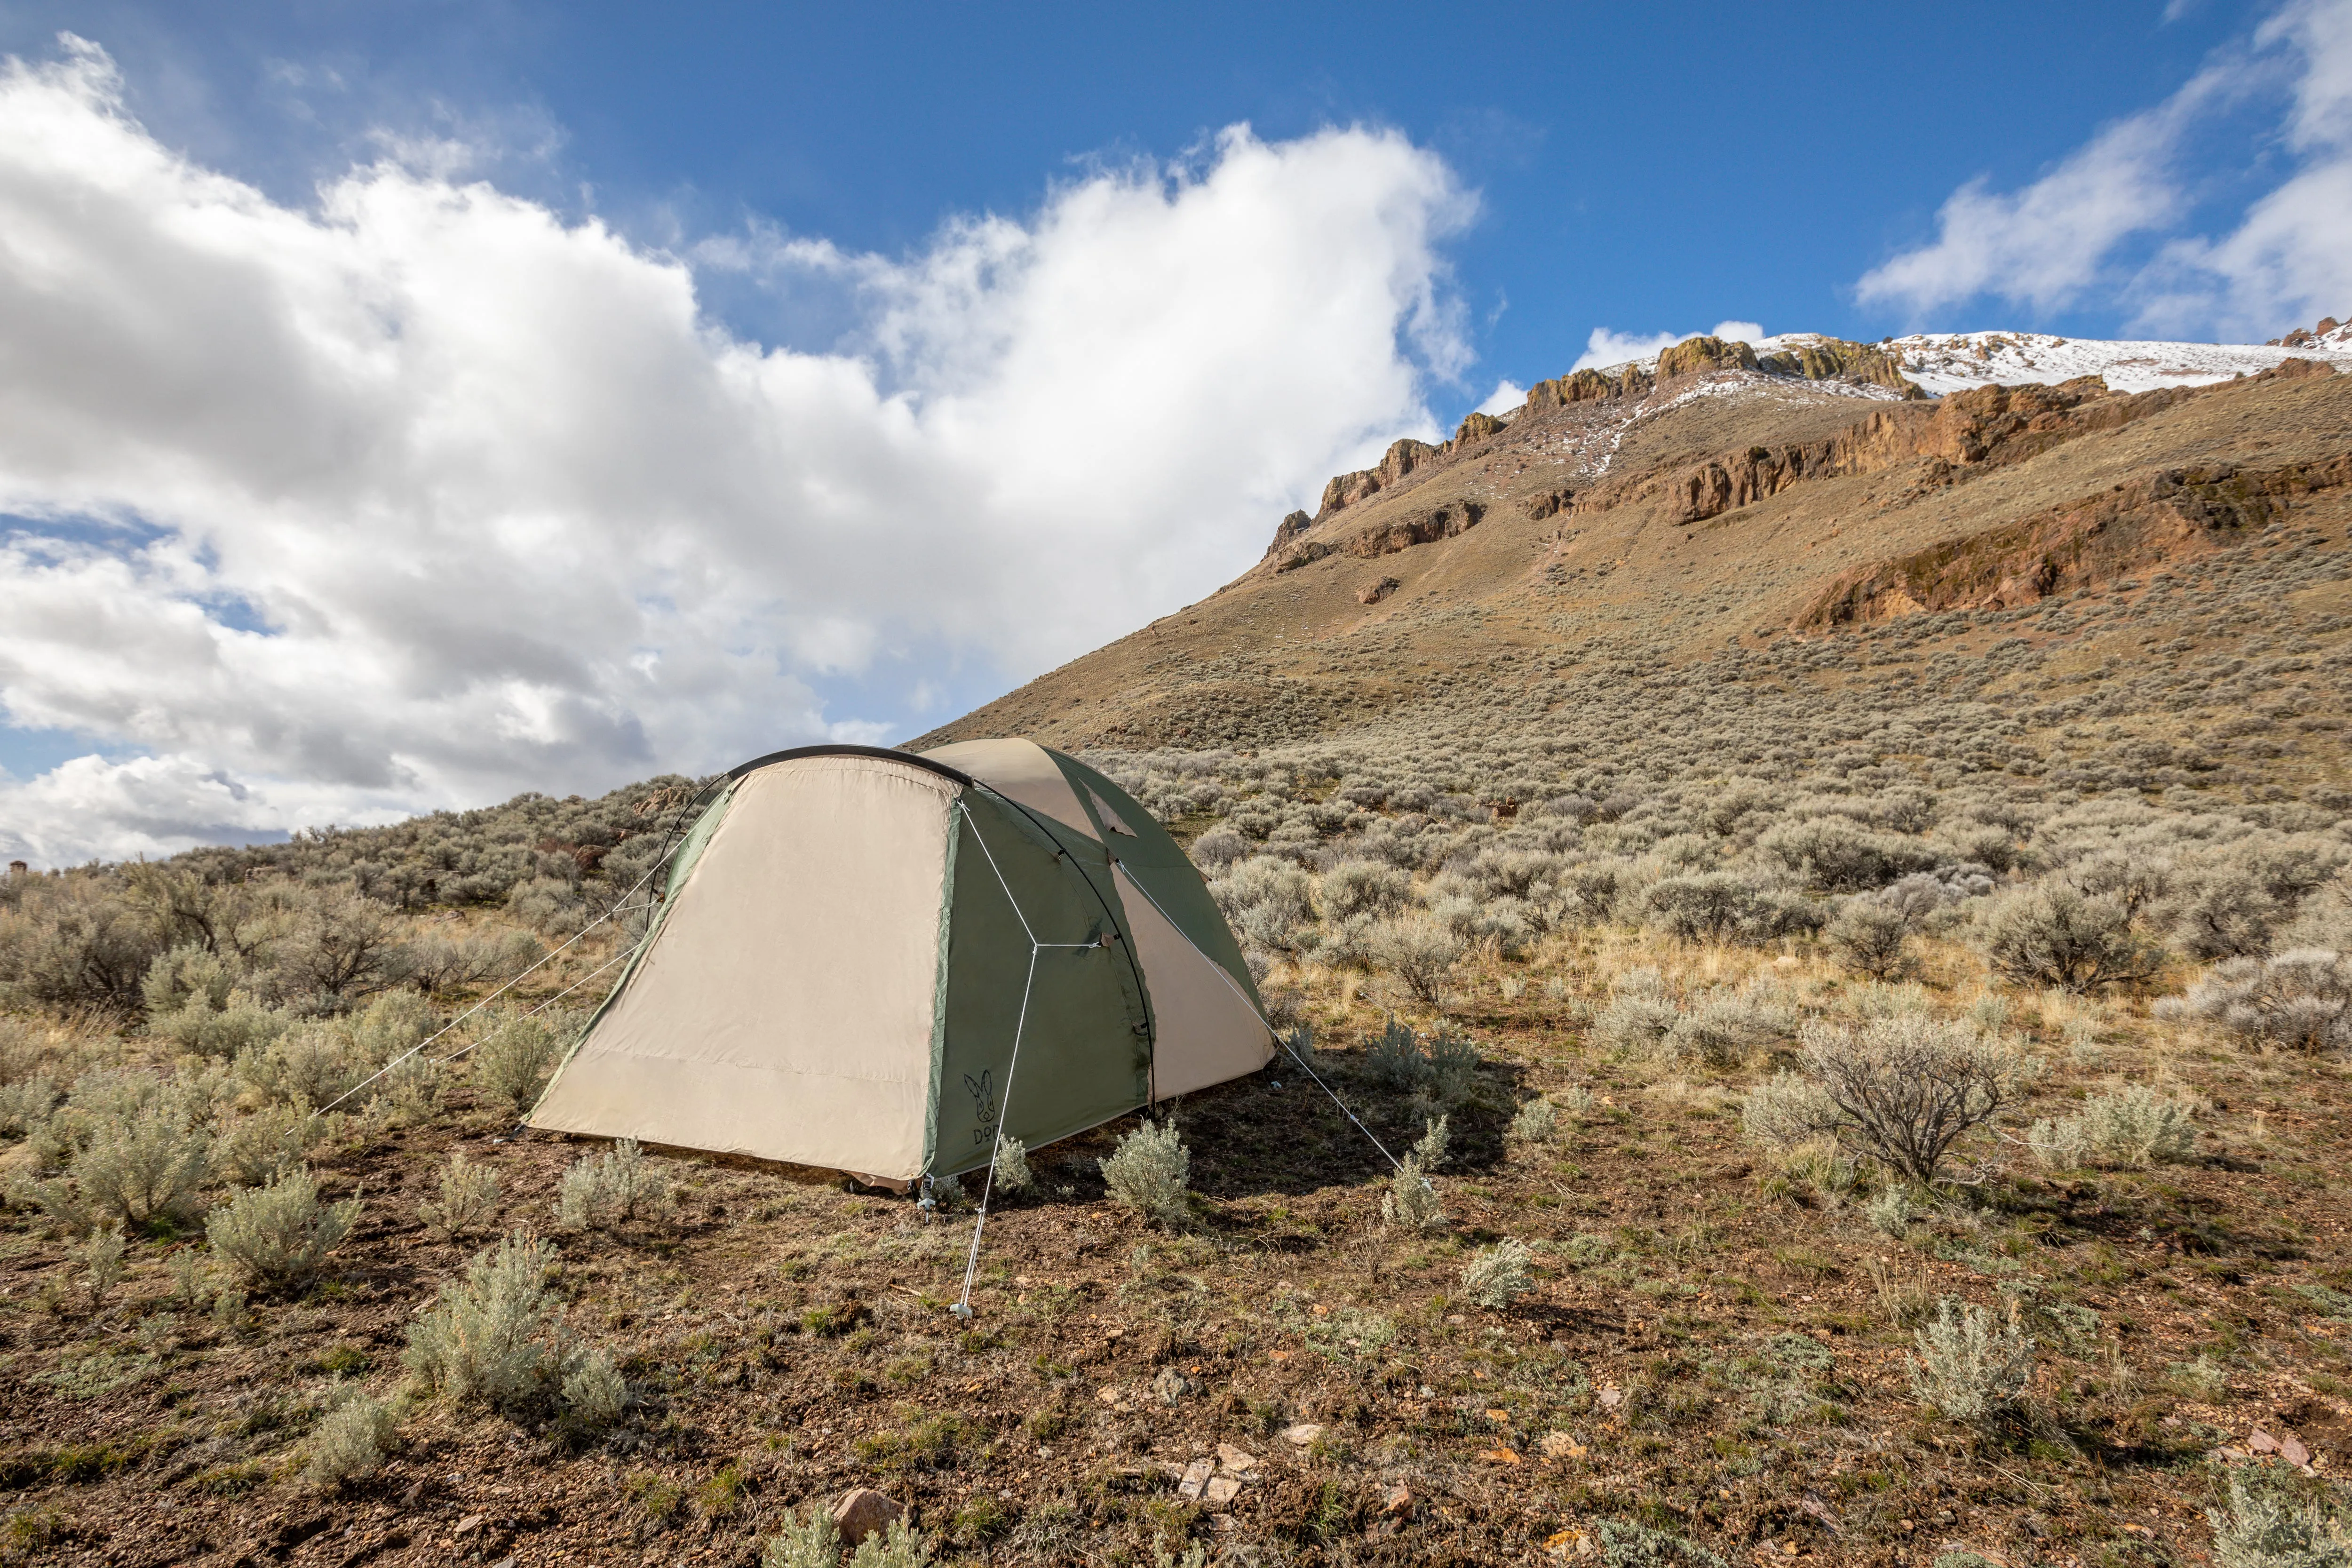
(1953, 361)
(1942, 363)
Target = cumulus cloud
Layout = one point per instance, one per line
(2288, 258)
(1606, 348)
(1507, 394)
(424, 494)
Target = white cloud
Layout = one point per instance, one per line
(1606, 348)
(2047, 245)
(1507, 394)
(425, 495)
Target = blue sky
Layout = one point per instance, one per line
(1641, 168)
(437, 400)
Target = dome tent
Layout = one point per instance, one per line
(851, 941)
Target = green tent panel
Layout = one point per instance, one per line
(851, 941)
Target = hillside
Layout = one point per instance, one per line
(1845, 893)
(1694, 523)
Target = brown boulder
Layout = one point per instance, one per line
(861, 1512)
(1373, 593)
(1306, 554)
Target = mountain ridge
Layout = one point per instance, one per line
(1786, 486)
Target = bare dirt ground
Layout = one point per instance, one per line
(1712, 1348)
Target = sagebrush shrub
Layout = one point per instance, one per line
(1536, 1121)
(275, 1235)
(1423, 951)
(1891, 1212)
(814, 1542)
(2132, 1127)
(468, 1201)
(190, 972)
(2264, 1527)
(1727, 1027)
(1269, 901)
(810, 1541)
(390, 1025)
(253, 1148)
(1904, 1089)
(2060, 1144)
(2069, 941)
(25, 1106)
(1219, 848)
(595, 1393)
(1149, 1172)
(513, 1060)
(1871, 938)
(349, 1442)
(1013, 1172)
(611, 1188)
(1436, 1139)
(222, 1032)
(1440, 1068)
(1629, 1543)
(1412, 1199)
(1786, 1109)
(1640, 1015)
(313, 1068)
(1972, 1365)
(100, 1257)
(1840, 855)
(497, 1336)
(1707, 906)
(1587, 892)
(2301, 1000)
(2223, 913)
(129, 1145)
(1497, 1276)
(1355, 888)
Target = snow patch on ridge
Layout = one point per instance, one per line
(1945, 363)
(1941, 363)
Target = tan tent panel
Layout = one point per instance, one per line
(1021, 771)
(879, 961)
(1205, 1032)
(763, 1021)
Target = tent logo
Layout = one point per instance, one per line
(984, 1104)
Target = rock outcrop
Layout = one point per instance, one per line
(1288, 529)
(1982, 427)
(1834, 358)
(1693, 355)
(1373, 593)
(1589, 385)
(2305, 337)
(1551, 503)
(1400, 459)
(2098, 540)
(1477, 427)
(1403, 533)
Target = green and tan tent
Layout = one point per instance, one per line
(851, 939)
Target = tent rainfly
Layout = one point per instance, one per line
(851, 941)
